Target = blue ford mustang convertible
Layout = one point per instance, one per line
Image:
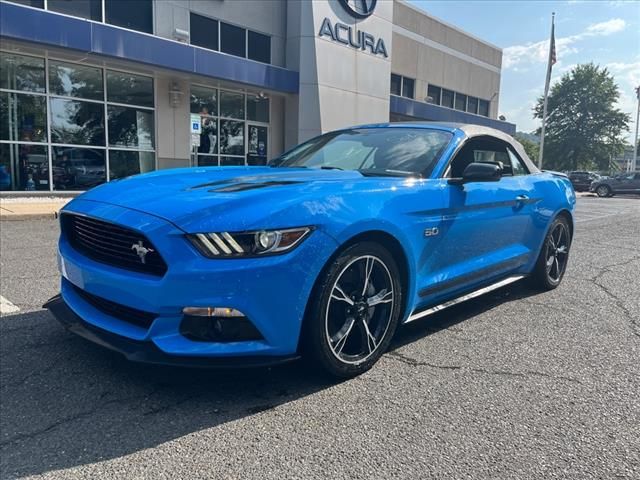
(322, 253)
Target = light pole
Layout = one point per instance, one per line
(634, 164)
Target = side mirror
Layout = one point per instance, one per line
(479, 172)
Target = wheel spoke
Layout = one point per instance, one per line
(342, 297)
(369, 339)
(563, 250)
(339, 340)
(556, 266)
(383, 296)
(367, 273)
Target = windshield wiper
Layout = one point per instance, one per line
(374, 172)
(329, 167)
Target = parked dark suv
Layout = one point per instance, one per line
(581, 181)
(625, 183)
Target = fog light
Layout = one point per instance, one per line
(224, 312)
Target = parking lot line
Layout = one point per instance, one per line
(6, 306)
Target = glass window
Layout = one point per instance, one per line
(77, 123)
(483, 108)
(233, 40)
(384, 152)
(461, 102)
(472, 105)
(30, 3)
(259, 47)
(132, 14)
(204, 101)
(258, 145)
(231, 161)
(76, 168)
(207, 160)
(204, 32)
(433, 94)
(396, 84)
(75, 80)
(124, 163)
(209, 135)
(231, 105)
(130, 127)
(129, 89)
(447, 98)
(24, 167)
(258, 109)
(517, 167)
(23, 117)
(91, 9)
(407, 87)
(18, 72)
(232, 137)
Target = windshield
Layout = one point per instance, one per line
(371, 151)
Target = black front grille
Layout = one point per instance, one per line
(121, 312)
(111, 244)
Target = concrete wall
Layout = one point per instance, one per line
(339, 85)
(433, 52)
(264, 16)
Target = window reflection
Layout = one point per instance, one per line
(231, 137)
(23, 117)
(77, 123)
(24, 167)
(75, 80)
(22, 73)
(129, 89)
(77, 168)
(123, 163)
(232, 105)
(130, 127)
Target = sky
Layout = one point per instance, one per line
(604, 32)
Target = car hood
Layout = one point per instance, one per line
(236, 198)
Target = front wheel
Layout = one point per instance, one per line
(354, 311)
(554, 256)
(603, 191)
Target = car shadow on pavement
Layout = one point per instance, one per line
(66, 402)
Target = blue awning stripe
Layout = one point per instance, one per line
(428, 111)
(54, 30)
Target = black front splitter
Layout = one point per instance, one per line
(148, 352)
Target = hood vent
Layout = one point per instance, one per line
(241, 187)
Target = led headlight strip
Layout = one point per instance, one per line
(247, 244)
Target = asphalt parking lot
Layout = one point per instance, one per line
(516, 384)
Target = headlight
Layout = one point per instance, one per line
(248, 244)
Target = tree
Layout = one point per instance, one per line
(584, 129)
(531, 147)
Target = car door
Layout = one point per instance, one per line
(486, 226)
(629, 183)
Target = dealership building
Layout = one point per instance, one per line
(95, 90)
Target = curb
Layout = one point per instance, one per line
(28, 216)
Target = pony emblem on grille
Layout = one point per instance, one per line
(141, 250)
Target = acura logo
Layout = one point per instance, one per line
(141, 250)
(359, 8)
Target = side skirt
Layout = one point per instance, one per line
(476, 293)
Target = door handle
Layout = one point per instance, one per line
(521, 200)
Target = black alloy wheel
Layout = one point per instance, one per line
(355, 311)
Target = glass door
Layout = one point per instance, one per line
(257, 144)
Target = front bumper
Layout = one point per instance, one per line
(272, 292)
(147, 352)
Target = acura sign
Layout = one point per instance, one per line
(348, 35)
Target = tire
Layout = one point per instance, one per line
(603, 191)
(350, 322)
(554, 256)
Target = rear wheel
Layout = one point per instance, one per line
(354, 311)
(554, 256)
(603, 191)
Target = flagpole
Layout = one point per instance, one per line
(546, 91)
